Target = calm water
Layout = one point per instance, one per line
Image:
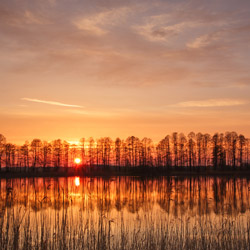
(125, 213)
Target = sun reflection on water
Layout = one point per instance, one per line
(77, 181)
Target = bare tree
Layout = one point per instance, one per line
(175, 147)
(2, 148)
(91, 151)
(231, 141)
(215, 141)
(66, 154)
(57, 152)
(199, 140)
(247, 150)
(205, 147)
(182, 143)
(146, 152)
(118, 143)
(242, 142)
(107, 151)
(82, 145)
(25, 154)
(133, 145)
(9, 155)
(164, 152)
(222, 151)
(191, 147)
(36, 145)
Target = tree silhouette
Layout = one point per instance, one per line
(118, 143)
(199, 151)
(242, 142)
(182, 150)
(215, 141)
(175, 147)
(57, 149)
(36, 145)
(191, 152)
(133, 146)
(82, 145)
(2, 148)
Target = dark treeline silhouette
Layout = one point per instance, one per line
(219, 151)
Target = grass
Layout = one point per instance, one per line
(105, 233)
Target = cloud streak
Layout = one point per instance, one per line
(51, 103)
(210, 103)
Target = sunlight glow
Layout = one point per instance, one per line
(77, 143)
(77, 160)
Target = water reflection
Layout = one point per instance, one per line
(172, 195)
(77, 181)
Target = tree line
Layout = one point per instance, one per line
(220, 150)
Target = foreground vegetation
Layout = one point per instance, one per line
(105, 232)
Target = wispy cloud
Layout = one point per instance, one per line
(163, 27)
(92, 113)
(210, 103)
(32, 18)
(99, 23)
(205, 40)
(51, 103)
(153, 33)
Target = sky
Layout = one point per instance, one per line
(75, 68)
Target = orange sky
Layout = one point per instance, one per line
(72, 69)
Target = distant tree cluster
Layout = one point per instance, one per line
(176, 150)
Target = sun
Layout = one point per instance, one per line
(77, 160)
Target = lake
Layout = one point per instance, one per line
(125, 213)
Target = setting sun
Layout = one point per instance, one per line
(77, 160)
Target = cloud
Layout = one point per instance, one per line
(159, 28)
(100, 23)
(91, 25)
(210, 103)
(93, 113)
(51, 103)
(96, 43)
(206, 40)
(155, 33)
(32, 18)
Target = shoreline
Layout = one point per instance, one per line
(151, 172)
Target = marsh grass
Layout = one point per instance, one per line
(104, 232)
